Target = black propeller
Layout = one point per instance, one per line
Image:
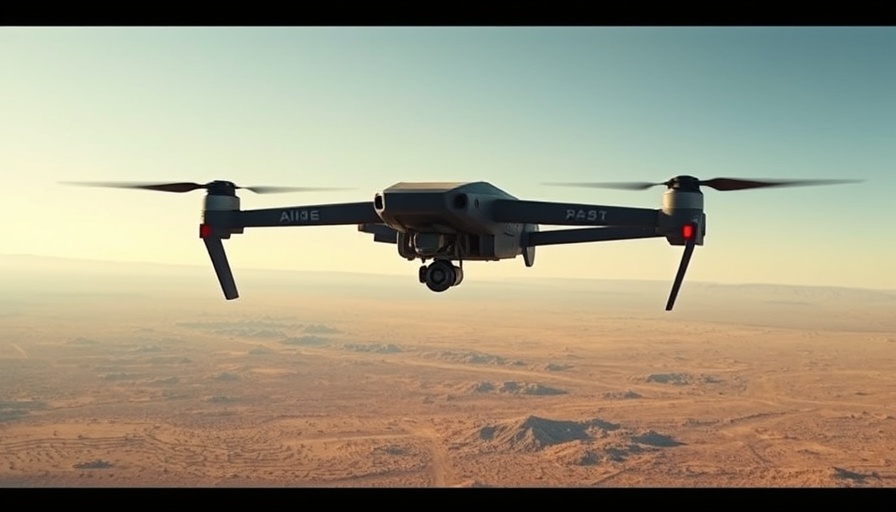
(722, 184)
(189, 186)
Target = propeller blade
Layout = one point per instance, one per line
(275, 190)
(635, 185)
(722, 184)
(682, 268)
(189, 186)
(162, 187)
(726, 184)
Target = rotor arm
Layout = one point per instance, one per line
(313, 215)
(574, 236)
(573, 214)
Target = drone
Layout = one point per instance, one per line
(457, 222)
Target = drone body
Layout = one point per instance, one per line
(449, 223)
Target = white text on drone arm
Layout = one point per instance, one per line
(588, 215)
(299, 216)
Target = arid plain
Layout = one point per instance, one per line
(143, 376)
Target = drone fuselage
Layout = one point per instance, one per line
(451, 221)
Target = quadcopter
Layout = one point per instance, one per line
(458, 222)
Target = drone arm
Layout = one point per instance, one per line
(315, 215)
(572, 214)
(574, 236)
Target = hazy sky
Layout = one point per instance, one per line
(369, 107)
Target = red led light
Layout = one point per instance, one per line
(687, 231)
(205, 231)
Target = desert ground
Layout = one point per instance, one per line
(146, 377)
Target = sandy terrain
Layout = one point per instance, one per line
(332, 386)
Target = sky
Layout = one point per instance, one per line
(367, 107)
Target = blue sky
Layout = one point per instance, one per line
(517, 106)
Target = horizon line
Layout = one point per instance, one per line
(487, 279)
